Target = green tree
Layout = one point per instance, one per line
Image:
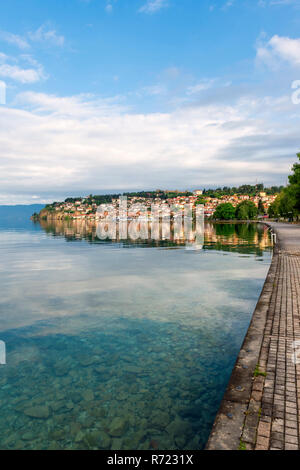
(294, 186)
(287, 203)
(200, 200)
(246, 210)
(224, 211)
(261, 207)
(274, 208)
(241, 212)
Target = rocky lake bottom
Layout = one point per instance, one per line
(135, 391)
(82, 374)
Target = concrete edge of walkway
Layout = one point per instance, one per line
(237, 417)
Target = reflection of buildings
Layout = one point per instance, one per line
(162, 233)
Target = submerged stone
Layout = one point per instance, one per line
(92, 439)
(105, 440)
(132, 369)
(116, 444)
(57, 435)
(61, 370)
(87, 360)
(160, 419)
(117, 427)
(74, 428)
(88, 395)
(41, 412)
(57, 405)
(28, 436)
(179, 428)
(79, 436)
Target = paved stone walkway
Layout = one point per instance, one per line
(266, 413)
(279, 391)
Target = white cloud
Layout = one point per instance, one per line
(81, 106)
(19, 73)
(81, 144)
(14, 39)
(14, 72)
(264, 3)
(279, 48)
(152, 6)
(154, 90)
(3, 57)
(228, 4)
(42, 34)
(205, 84)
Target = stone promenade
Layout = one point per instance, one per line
(261, 406)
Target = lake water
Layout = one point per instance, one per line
(121, 345)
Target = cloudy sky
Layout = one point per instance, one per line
(114, 95)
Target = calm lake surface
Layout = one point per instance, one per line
(124, 345)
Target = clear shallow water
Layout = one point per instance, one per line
(121, 345)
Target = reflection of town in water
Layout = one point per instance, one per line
(113, 346)
(241, 237)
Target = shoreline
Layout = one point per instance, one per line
(253, 414)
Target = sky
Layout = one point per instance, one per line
(114, 95)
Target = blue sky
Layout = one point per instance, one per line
(106, 95)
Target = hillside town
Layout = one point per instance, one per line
(92, 207)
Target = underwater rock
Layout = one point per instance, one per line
(179, 428)
(97, 412)
(74, 429)
(194, 443)
(144, 446)
(57, 405)
(75, 397)
(28, 436)
(60, 396)
(117, 427)
(123, 395)
(154, 444)
(105, 440)
(180, 441)
(87, 360)
(79, 436)
(41, 412)
(101, 369)
(132, 442)
(193, 412)
(57, 435)
(61, 369)
(160, 419)
(88, 395)
(54, 446)
(59, 419)
(116, 444)
(88, 422)
(92, 439)
(143, 424)
(132, 369)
